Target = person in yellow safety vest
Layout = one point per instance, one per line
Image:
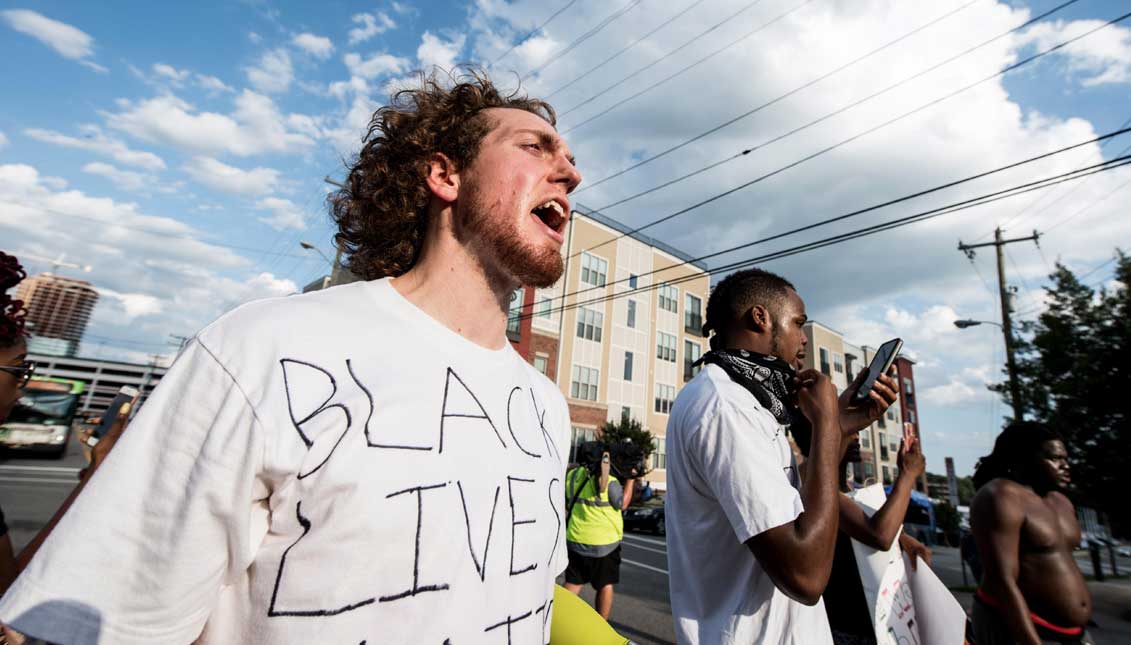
(595, 531)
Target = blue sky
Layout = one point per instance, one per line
(214, 124)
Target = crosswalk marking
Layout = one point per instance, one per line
(631, 537)
(644, 566)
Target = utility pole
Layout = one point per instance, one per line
(1006, 321)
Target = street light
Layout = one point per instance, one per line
(963, 324)
(310, 247)
(1010, 363)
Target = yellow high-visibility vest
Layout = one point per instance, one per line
(593, 520)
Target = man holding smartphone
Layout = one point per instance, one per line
(368, 463)
(750, 545)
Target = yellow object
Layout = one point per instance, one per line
(574, 622)
(593, 520)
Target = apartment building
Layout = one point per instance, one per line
(619, 331)
(842, 361)
(58, 309)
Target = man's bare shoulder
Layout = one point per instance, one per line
(1002, 497)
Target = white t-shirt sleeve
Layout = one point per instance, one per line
(737, 458)
(175, 511)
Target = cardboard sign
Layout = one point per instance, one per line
(908, 607)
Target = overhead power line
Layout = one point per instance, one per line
(685, 69)
(754, 110)
(531, 33)
(610, 19)
(858, 233)
(625, 48)
(891, 202)
(673, 52)
(834, 146)
(1092, 204)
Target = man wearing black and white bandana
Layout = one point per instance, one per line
(750, 546)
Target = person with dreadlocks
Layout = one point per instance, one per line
(750, 545)
(15, 371)
(1025, 529)
(372, 462)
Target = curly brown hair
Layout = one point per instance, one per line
(12, 312)
(382, 210)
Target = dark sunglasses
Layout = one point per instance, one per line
(23, 373)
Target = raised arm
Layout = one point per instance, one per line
(798, 555)
(881, 529)
(996, 518)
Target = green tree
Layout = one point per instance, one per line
(1074, 366)
(630, 430)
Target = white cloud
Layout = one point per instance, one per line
(255, 127)
(229, 179)
(374, 66)
(441, 53)
(95, 141)
(3, 140)
(67, 41)
(135, 305)
(254, 37)
(212, 84)
(317, 46)
(1103, 57)
(371, 25)
(284, 214)
(124, 179)
(170, 72)
(273, 73)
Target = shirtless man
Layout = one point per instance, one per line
(1025, 528)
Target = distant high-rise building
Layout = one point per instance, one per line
(58, 310)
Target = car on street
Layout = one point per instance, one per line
(648, 517)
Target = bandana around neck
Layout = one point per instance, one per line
(770, 380)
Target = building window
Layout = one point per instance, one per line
(631, 322)
(869, 471)
(632, 281)
(883, 441)
(668, 295)
(849, 359)
(880, 422)
(544, 307)
(887, 476)
(584, 383)
(838, 363)
(665, 347)
(659, 454)
(625, 413)
(692, 314)
(911, 415)
(691, 353)
(865, 440)
(589, 324)
(514, 316)
(628, 366)
(579, 436)
(593, 270)
(891, 415)
(541, 363)
(825, 368)
(665, 394)
(908, 388)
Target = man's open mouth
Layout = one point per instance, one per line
(552, 215)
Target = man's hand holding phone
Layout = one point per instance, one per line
(854, 416)
(102, 437)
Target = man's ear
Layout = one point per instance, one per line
(758, 319)
(443, 177)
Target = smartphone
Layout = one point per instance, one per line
(127, 394)
(880, 364)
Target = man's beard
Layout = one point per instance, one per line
(501, 248)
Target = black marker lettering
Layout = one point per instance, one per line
(326, 405)
(517, 522)
(510, 424)
(550, 445)
(481, 568)
(416, 588)
(444, 409)
(368, 438)
(554, 507)
(545, 610)
(508, 622)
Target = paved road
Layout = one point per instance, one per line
(31, 488)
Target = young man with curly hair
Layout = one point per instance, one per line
(369, 463)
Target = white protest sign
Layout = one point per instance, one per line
(942, 621)
(884, 577)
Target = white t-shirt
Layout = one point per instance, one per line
(335, 467)
(731, 476)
